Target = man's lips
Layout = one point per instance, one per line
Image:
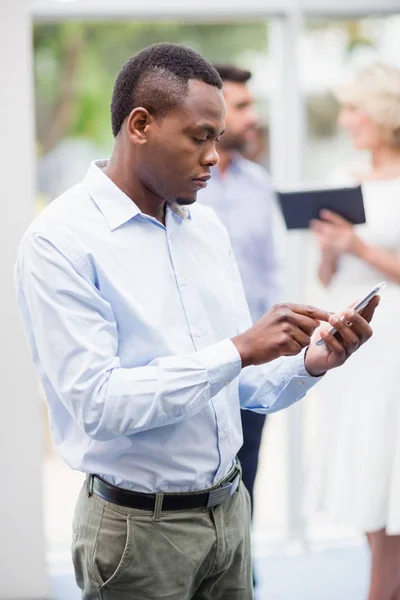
(201, 182)
(250, 135)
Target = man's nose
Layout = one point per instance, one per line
(211, 158)
(252, 118)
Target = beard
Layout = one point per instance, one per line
(185, 201)
(233, 143)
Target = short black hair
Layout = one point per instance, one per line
(232, 73)
(157, 80)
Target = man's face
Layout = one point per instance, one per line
(241, 118)
(181, 146)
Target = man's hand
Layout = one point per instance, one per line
(283, 331)
(353, 332)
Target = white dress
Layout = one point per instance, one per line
(355, 470)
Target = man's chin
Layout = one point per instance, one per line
(185, 201)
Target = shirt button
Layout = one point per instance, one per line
(300, 382)
(182, 281)
(223, 434)
(226, 383)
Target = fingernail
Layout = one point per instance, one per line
(333, 319)
(349, 313)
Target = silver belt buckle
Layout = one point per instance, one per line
(223, 493)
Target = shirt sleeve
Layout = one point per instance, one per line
(73, 337)
(273, 386)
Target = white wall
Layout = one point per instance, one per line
(22, 569)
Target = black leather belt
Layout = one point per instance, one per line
(185, 501)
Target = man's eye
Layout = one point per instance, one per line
(199, 140)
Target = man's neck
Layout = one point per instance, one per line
(120, 171)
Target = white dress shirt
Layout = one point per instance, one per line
(129, 325)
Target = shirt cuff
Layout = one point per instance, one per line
(301, 378)
(223, 364)
(301, 366)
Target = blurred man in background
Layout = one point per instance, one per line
(241, 193)
(257, 148)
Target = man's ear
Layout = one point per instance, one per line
(137, 125)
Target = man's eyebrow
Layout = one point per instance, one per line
(244, 104)
(212, 131)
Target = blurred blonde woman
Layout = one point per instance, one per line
(357, 478)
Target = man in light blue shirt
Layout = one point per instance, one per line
(139, 329)
(241, 194)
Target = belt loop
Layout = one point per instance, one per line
(89, 485)
(158, 506)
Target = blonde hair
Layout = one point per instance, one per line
(376, 89)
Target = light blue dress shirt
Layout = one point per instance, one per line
(129, 325)
(244, 200)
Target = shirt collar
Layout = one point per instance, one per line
(116, 207)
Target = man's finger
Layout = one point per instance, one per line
(359, 324)
(360, 327)
(310, 311)
(333, 345)
(350, 337)
(293, 348)
(307, 324)
(368, 312)
(302, 338)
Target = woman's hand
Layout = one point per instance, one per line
(335, 235)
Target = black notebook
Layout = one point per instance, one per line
(301, 206)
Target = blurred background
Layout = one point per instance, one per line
(75, 63)
(58, 65)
